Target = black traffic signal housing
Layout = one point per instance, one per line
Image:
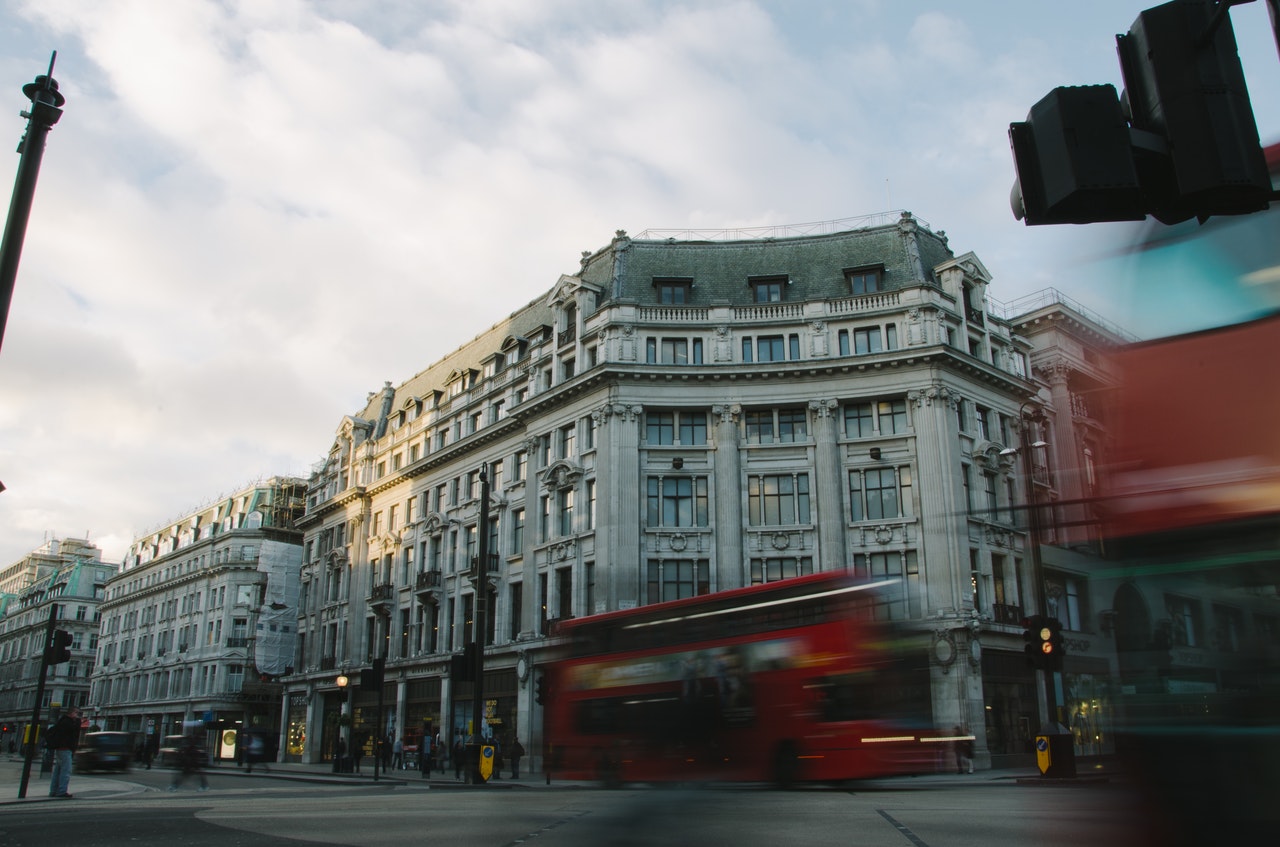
(540, 690)
(1074, 161)
(1181, 142)
(1052, 647)
(1184, 83)
(59, 648)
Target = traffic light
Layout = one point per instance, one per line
(1184, 83)
(1180, 143)
(540, 691)
(1052, 646)
(1073, 160)
(60, 648)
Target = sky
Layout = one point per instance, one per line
(255, 212)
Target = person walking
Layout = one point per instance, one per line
(190, 761)
(459, 756)
(517, 752)
(426, 752)
(397, 755)
(963, 749)
(62, 739)
(339, 754)
(357, 750)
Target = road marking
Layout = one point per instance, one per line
(545, 829)
(906, 833)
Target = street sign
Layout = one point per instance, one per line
(1044, 756)
(486, 762)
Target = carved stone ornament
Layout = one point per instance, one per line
(678, 542)
(560, 475)
(562, 550)
(884, 534)
(780, 541)
(925, 397)
(823, 408)
(944, 650)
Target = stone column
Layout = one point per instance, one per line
(618, 491)
(943, 526)
(828, 485)
(729, 563)
(529, 567)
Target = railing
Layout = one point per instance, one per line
(237, 641)
(328, 663)
(567, 337)
(1006, 613)
(385, 591)
(429, 580)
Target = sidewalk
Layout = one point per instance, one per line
(103, 788)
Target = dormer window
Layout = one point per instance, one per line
(674, 291)
(768, 289)
(864, 280)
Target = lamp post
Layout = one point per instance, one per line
(1061, 749)
(46, 108)
(344, 684)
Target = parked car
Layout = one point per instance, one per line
(104, 751)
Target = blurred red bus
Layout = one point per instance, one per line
(784, 682)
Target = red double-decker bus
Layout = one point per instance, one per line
(784, 682)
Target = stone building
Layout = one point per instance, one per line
(199, 623)
(681, 417)
(66, 578)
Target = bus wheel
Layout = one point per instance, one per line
(786, 765)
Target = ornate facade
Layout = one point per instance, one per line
(199, 622)
(67, 577)
(680, 417)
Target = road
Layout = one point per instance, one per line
(243, 811)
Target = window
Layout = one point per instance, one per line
(776, 425)
(892, 416)
(778, 499)
(982, 417)
(673, 579)
(568, 439)
(673, 351)
(859, 422)
(565, 509)
(903, 599)
(861, 419)
(867, 341)
(767, 289)
(674, 291)
(664, 427)
(880, 493)
(517, 531)
(863, 280)
(770, 348)
(771, 570)
(520, 466)
(677, 501)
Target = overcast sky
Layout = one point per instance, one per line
(254, 213)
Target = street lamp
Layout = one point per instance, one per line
(1061, 749)
(344, 684)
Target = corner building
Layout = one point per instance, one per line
(678, 417)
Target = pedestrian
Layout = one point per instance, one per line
(517, 752)
(964, 750)
(257, 753)
(357, 751)
(190, 761)
(397, 755)
(459, 755)
(426, 752)
(441, 751)
(62, 739)
(385, 745)
(339, 754)
(497, 757)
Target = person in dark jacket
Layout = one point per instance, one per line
(62, 739)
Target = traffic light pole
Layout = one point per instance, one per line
(33, 729)
(1062, 753)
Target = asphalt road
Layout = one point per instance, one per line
(244, 811)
